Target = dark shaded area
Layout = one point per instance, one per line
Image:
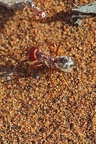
(61, 16)
(10, 71)
(16, 6)
(68, 17)
(5, 14)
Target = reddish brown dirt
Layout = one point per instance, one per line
(30, 110)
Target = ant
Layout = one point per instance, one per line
(38, 59)
(29, 5)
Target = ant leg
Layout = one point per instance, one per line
(41, 49)
(25, 6)
(35, 71)
(56, 53)
(66, 82)
(35, 66)
(28, 8)
(57, 48)
(51, 83)
(50, 72)
(49, 47)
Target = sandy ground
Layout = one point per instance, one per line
(32, 108)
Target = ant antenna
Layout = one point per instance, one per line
(57, 48)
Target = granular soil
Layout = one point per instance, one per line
(33, 107)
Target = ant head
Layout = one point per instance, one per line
(32, 53)
(64, 63)
(41, 14)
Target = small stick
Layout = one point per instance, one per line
(58, 49)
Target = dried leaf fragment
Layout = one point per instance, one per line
(88, 9)
(81, 12)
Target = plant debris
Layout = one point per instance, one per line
(83, 12)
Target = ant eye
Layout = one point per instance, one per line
(42, 14)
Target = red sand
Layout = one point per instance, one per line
(30, 110)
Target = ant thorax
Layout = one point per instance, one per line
(63, 63)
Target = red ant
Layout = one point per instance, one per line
(39, 58)
(37, 10)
